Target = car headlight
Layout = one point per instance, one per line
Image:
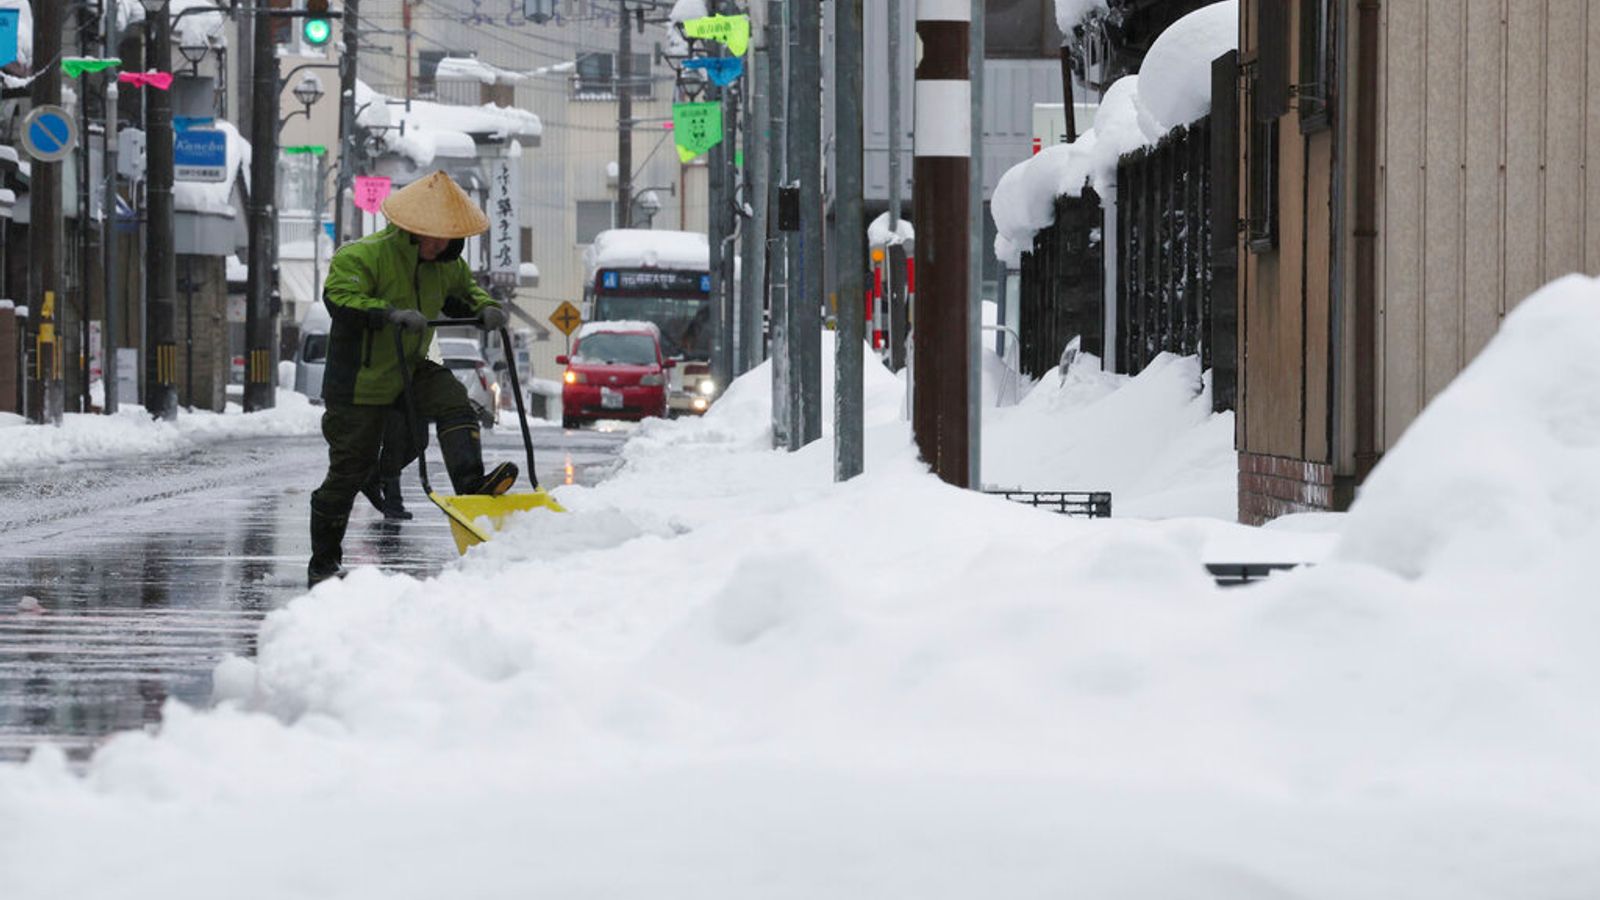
(576, 377)
(700, 403)
(652, 380)
(708, 387)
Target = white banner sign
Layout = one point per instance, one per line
(505, 220)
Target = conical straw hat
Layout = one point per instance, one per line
(437, 207)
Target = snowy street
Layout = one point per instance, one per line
(149, 570)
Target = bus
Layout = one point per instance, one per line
(663, 277)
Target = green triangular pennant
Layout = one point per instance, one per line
(696, 128)
(731, 30)
(75, 66)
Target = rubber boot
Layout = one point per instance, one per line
(373, 491)
(462, 447)
(393, 506)
(327, 544)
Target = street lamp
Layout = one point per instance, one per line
(308, 92)
(194, 54)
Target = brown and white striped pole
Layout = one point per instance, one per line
(941, 174)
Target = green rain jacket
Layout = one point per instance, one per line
(366, 279)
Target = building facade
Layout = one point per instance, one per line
(1409, 172)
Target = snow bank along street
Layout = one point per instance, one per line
(723, 675)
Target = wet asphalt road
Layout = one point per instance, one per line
(147, 572)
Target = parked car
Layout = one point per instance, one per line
(464, 359)
(616, 371)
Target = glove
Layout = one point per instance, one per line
(407, 319)
(492, 318)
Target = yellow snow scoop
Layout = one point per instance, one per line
(474, 518)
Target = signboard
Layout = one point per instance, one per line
(200, 154)
(371, 191)
(723, 70)
(696, 128)
(731, 30)
(49, 134)
(566, 318)
(654, 281)
(505, 221)
(9, 19)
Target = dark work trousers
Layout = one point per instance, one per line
(356, 436)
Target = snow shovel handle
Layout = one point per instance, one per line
(516, 392)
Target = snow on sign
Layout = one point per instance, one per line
(200, 154)
(696, 128)
(505, 221)
(371, 191)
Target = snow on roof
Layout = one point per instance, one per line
(1070, 12)
(878, 234)
(1173, 88)
(7, 153)
(235, 270)
(470, 68)
(528, 270)
(216, 197)
(432, 130)
(621, 325)
(195, 29)
(634, 248)
(1175, 77)
(684, 10)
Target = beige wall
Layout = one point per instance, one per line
(1490, 116)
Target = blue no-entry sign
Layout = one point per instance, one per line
(200, 154)
(8, 35)
(49, 134)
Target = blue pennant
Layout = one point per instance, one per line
(724, 70)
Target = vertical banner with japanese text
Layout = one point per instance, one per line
(505, 219)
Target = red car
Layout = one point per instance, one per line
(616, 371)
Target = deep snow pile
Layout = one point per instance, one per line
(722, 675)
(1151, 439)
(132, 432)
(1505, 462)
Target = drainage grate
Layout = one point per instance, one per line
(1236, 574)
(1084, 504)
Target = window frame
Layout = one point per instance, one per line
(1314, 94)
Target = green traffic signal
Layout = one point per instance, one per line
(317, 31)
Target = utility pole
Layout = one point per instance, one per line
(351, 29)
(45, 399)
(975, 232)
(731, 214)
(848, 210)
(161, 273)
(260, 370)
(806, 144)
(894, 262)
(624, 70)
(112, 336)
(778, 242)
(941, 205)
(753, 245)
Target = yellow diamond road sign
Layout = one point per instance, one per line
(567, 318)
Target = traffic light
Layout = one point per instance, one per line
(318, 29)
